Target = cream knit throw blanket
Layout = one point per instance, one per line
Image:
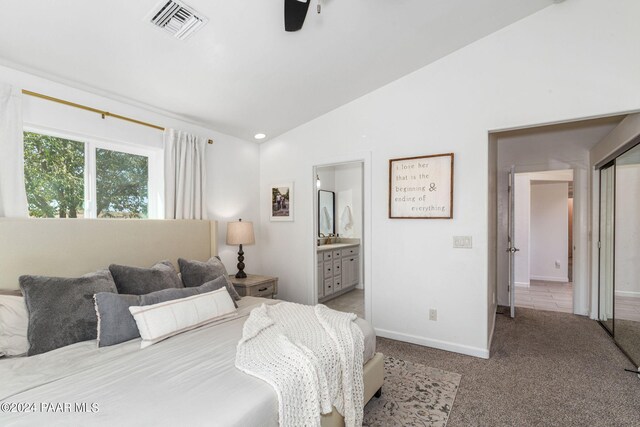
(311, 356)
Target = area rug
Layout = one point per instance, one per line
(412, 395)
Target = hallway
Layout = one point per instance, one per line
(543, 295)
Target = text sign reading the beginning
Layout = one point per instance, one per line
(421, 187)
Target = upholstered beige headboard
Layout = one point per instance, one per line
(73, 247)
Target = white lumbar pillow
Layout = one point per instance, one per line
(14, 321)
(160, 321)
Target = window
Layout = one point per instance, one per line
(121, 185)
(67, 178)
(54, 176)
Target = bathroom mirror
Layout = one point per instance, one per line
(326, 212)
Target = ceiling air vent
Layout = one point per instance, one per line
(178, 19)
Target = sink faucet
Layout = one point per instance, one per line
(327, 239)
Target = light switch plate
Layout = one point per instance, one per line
(462, 242)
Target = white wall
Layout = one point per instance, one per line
(541, 69)
(233, 192)
(625, 133)
(233, 164)
(349, 194)
(327, 175)
(549, 231)
(492, 236)
(522, 214)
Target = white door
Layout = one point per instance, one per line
(511, 249)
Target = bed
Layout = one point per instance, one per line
(187, 379)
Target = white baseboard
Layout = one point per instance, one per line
(522, 284)
(583, 312)
(550, 278)
(632, 294)
(428, 342)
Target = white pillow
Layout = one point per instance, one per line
(14, 320)
(160, 321)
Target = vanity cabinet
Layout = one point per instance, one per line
(338, 271)
(350, 270)
(320, 279)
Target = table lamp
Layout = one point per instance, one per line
(240, 233)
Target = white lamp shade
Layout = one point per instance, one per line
(240, 233)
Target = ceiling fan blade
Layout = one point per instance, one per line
(294, 13)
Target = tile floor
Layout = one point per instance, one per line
(557, 296)
(352, 302)
(542, 295)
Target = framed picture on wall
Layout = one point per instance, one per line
(282, 202)
(421, 187)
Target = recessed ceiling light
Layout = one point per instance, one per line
(259, 136)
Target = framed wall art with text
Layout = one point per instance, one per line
(421, 187)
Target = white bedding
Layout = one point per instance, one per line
(189, 379)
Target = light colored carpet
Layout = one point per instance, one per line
(628, 338)
(546, 369)
(413, 395)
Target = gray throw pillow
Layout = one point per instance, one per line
(115, 322)
(141, 281)
(195, 273)
(61, 310)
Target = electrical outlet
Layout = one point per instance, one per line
(462, 242)
(433, 314)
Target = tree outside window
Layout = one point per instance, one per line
(121, 184)
(55, 176)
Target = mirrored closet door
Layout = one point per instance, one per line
(627, 253)
(606, 270)
(619, 275)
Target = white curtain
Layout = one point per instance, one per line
(184, 175)
(13, 196)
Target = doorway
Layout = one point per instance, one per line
(340, 217)
(558, 147)
(543, 220)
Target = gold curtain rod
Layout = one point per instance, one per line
(103, 113)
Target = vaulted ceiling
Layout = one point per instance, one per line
(242, 73)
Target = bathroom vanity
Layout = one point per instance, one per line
(338, 269)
